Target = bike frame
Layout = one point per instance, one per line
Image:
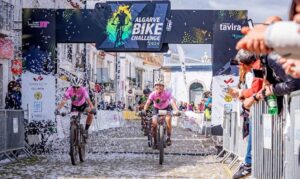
(75, 119)
(77, 141)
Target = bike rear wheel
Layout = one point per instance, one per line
(73, 144)
(81, 147)
(161, 144)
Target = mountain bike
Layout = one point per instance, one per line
(161, 133)
(77, 137)
(146, 121)
(149, 128)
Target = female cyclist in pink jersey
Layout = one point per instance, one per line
(161, 100)
(80, 101)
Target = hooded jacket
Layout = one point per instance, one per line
(281, 82)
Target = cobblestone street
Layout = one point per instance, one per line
(123, 153)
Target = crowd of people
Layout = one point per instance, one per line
(111, 106)
(204, 106)
(269, 62)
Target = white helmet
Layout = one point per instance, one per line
(159, 82)
(76, 82)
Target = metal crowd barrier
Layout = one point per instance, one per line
(275, 140)
(267, 143)
(233, 143)
(292, 163)
(12, 133)
(226, 132)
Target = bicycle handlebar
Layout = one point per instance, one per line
(93, 111)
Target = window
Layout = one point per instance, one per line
(6, 15)
(139, 77)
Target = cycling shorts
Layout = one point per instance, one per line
(168, 109)
(79, 108)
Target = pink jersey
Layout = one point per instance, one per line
(162, 100)
(77, 98)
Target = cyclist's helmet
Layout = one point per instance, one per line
(159, 82)
(146, 91)
(76, 82)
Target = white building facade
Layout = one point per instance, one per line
(188, 86)
(136, 74)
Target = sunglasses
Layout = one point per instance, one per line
(76, 87)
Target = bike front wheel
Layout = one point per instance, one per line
(149, 128)
(81, 146)
(161, 144)
(73, 144)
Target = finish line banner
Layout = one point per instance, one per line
(131, 26)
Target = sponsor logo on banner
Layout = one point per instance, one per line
(222, 100)
(147, 28)
(39, 78)
(119, 27)
(122, 27)
(38, 24)
(228, 81)
(228, 98)
(38, 95)
(230, 27)
(134, 25)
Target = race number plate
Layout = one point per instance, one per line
(75, 113)
(162, 112)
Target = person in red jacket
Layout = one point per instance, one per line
(248, 95)
(250, 62)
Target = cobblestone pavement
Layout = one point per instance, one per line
(123, 153)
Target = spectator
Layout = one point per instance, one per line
(208, 105)
(274, 37)
(291, 67)
(201, 106)
(181, 106)
(13, 96)
(120, 106)
(130, 108)
(185, 106)
(247, 61)
(278, 82)
(191, 106)
(101, 105)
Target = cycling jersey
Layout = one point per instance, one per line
(143, 101)
(79, 97)
(160, 100)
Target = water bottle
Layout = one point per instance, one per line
(272, 104)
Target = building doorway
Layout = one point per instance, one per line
(195, 91)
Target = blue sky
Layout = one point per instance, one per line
(258, 10)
